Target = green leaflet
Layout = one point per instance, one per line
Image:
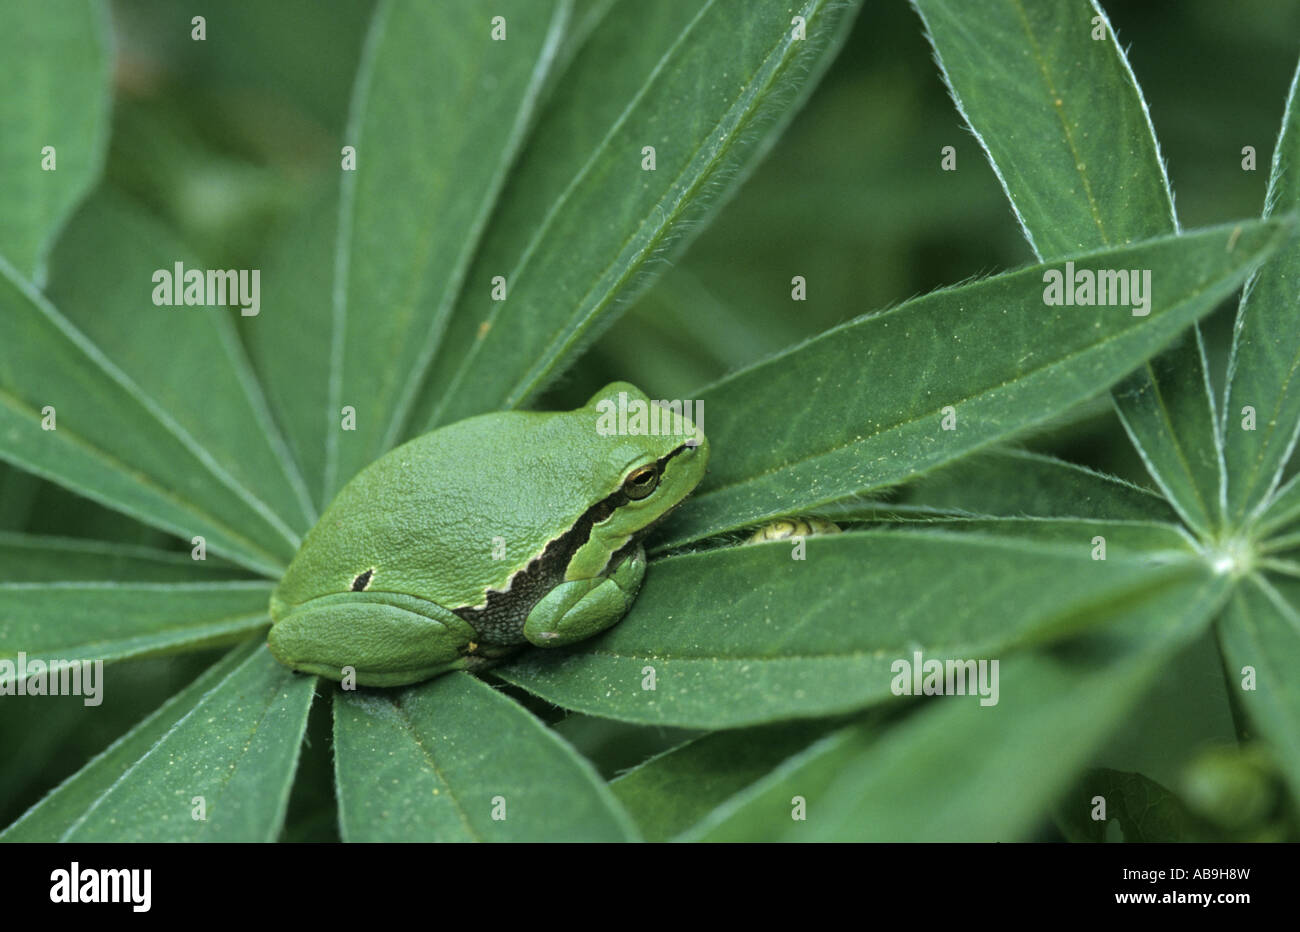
(413, 765)
(670, 792)
(1261, 630)
(239, 742)
(1051, 98)
(958, 771)
(1264, 372)
(29, 558)
(1011, 482)
(114, 620)
(1283, 508)
(426, 177)
(111, 442)
(53, 93)
(581, 220)
(54, 104)
(704, 647)
(869, 398)
(68, 802)
(183, 358)
(289, 342)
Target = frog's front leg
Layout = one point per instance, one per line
(579, 608)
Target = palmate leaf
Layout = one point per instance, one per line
(114, 620)
(455, 760)
(580, 219)
(1061, 118)
(861, 407)
(438, 112)
(959, 771)
(1264, 372)
(821, 637)
(113, 443)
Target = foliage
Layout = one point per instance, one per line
(975, 442)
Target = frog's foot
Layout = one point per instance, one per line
(478, 656)
(577, 609)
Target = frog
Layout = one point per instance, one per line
(786, 528)
(459, 548)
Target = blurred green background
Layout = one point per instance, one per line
(227, 141)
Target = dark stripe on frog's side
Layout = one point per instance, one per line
(501, 619)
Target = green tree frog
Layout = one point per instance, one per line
(469, 542)
(785, 528)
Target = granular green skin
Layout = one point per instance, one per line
(498, 531)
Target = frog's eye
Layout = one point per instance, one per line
(641, 482)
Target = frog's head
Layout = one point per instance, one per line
(653, 456)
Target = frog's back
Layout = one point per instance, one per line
(452, 513)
